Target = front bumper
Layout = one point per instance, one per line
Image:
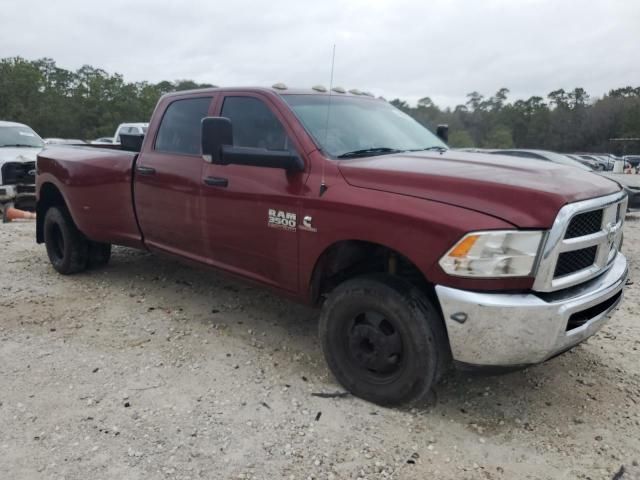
(516, 330)
(21, 196)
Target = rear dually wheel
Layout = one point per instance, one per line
(67, 248)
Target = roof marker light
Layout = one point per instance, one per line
(319, 88)
(339, 90)
(355, 91)
(279, 86)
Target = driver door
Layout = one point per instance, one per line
(251, 213)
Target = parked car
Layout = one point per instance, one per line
(605, 162)
(417, 254)
(631, 185)
(19, 145)
(542, 155)
(102, 141)
(129, 129)
(592, 163)
(632, 160)
(632, 190)
(63, 141)
(608, 160)
(611, 160)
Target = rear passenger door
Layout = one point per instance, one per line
(251, 213)
(168, 177)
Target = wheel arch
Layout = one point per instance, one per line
(345, 259)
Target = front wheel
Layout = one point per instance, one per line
(383, 340)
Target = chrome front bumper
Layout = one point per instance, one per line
(504, 330)
(21, 195)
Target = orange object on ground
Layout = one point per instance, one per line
(11, 214)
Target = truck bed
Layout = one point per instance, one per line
(97, 187)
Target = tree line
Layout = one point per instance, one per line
(90, 102)
(86, 103)
(564, 121)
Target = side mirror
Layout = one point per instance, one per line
(443, 133)
(216, 132)
(218, 148)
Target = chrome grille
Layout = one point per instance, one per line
(572, 262)
(582, 243)
(585, 224)
(18, 172)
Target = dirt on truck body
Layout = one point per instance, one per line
(419, 257)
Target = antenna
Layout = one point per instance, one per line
(323, 185)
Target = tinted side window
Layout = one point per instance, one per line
(254, 125)
(180, 128)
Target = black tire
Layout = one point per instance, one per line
(383, 340)
(67, 248)
(99, 254)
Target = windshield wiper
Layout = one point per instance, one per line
(433, 147)
(369, 151)
(19, 145)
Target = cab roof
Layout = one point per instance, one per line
(336, 91)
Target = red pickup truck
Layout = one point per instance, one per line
(419, 256)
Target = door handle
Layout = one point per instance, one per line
(216, 181)
(145, 170)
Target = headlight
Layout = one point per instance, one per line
(499, 253)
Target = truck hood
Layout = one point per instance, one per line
(527, 193)
(20, 154)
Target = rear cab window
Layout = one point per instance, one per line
(180, 129)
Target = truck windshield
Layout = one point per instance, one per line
(360, 126)
(19, 136)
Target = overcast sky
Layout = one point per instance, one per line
(396, 48)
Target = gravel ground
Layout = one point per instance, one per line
(149, 369)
